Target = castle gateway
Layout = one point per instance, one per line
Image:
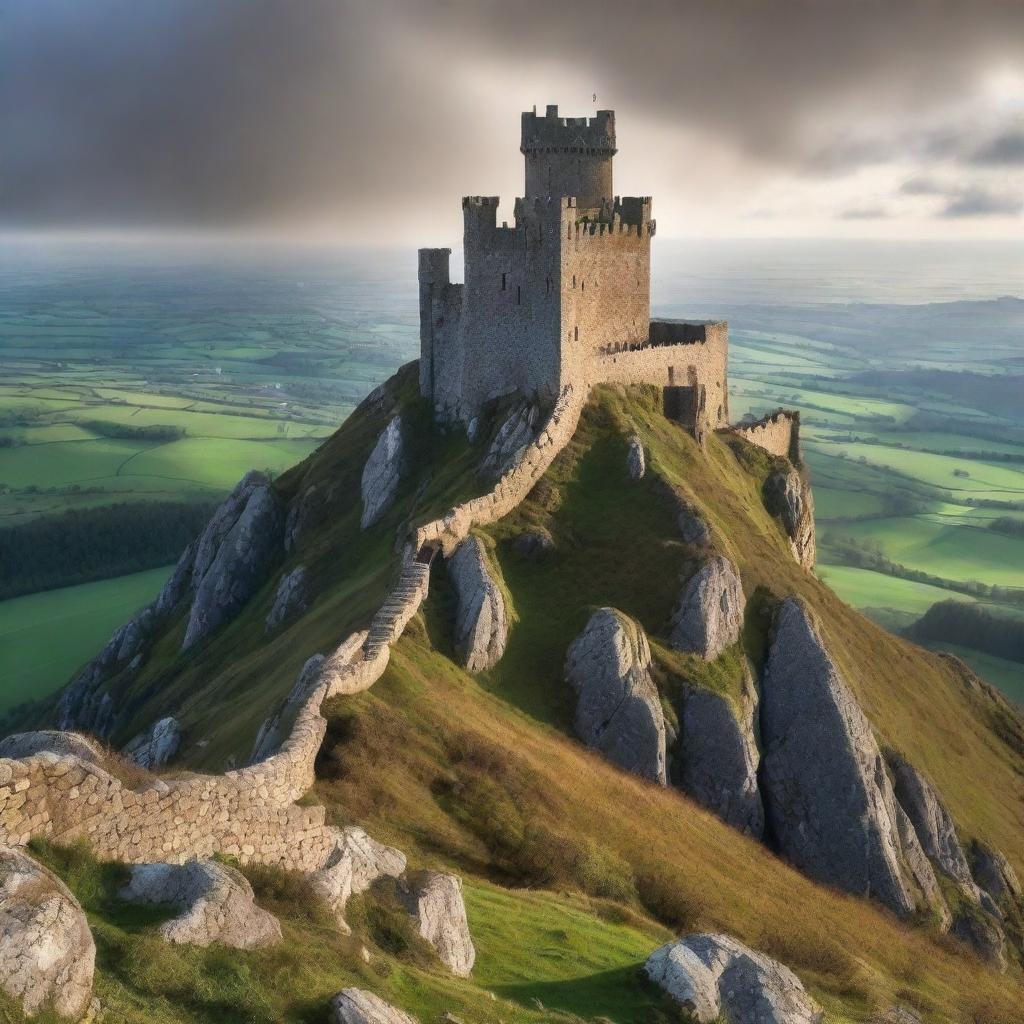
(563, 295)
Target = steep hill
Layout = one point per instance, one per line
(574, 870)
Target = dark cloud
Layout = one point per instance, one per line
(211, 112)
(1003, 150)
(982, 202)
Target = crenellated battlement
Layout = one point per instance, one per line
(554, 134)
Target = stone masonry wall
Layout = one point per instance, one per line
(251, 813)
(778, 433)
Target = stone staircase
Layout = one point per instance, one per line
(401, 605)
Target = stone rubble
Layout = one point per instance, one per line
(216, 902)
(618, 710)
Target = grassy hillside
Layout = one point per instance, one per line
(574, 871)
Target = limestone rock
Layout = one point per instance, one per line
(382, 473)
(993, 872)
(53, 741)
(216, 903)
(47, 954)
(716, 756)
(709, 617)
(983, 934)
(158, 746)
(272, 732)
(439, 912)
(931, 822)
(829, 801)
(232, 561)
(618, 711)
(533, 543)
(292, 597)
(306, 512)
(515, 434)
(356, 863)
(692, 527)
(356, 1006)
(714, 976)
(636, 461)
(481, 621)
(788, 495)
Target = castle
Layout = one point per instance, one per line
(562, 296)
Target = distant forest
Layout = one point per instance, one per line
(93, 544)
(957, 622)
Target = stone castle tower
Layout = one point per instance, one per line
(562, 295)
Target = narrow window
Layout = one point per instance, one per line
(547, 286)
(583, 286)
(503, 282)
(574, 280)
(576, 334)
(519, 294)
(671, 375)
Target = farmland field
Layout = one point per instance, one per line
(135, 374)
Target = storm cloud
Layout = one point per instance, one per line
(360, 117)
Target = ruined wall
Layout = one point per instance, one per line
(778, 433)
(694, 355)
(251, 813)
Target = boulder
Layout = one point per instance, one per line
(514, 435)
(618, 711)
(931, 822)
(232, 561)
(156, 747)
(636, 461)
(692, 527)
(714, 976)
(709, 616)
(382, 473)
(216, 902)
(52, 741)
(355, 864)
(436, 905)
(716, 756)
(789, 496)
(829, 802)
(47, 954)
(994, 874)
(481, 620)
(356, 1006)
(533, 543)
(292, 597)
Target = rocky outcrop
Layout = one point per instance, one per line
(216, 903)
(382, 473)
(308, 511)
(983, 933)
(436, 905)
(716, 758)
(829, 802)
(481, 619)
(157, 746)
(533, 543)
(233, 557)
(636, 461)
(47, 954)
(618, 711)
(994, 874)
(291, 599)
(356, 863)
(511, 440)
(789, 496)
(63, 744)
(709, 616)
(714, 977)
(272, 732)
(356, 1006)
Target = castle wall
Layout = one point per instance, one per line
(569, 156)
(778, 433)
(694, 355)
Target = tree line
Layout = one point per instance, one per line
(83, 545)
(971, 625)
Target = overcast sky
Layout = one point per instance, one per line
(366, 121)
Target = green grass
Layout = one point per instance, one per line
(45, 637)
(863, 588)
(1007, 675)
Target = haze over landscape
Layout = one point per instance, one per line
(219, 462)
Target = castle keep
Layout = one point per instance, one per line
(562, 296)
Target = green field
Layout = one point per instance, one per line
(45, 637)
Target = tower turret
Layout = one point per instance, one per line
(569, 156)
